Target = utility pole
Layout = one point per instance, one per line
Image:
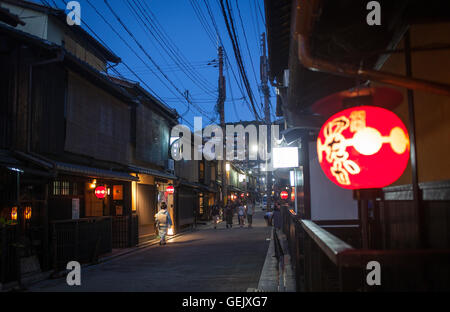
(221, 109)
(265, 80)
(266, 92)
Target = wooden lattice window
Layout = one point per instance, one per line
(61, 188)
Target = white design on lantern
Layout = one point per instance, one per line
(367, 141)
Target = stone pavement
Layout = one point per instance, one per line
(205, 260)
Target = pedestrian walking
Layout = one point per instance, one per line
(229, 215)
(268, 217)
(250, 211)
(241, 214)
(215, 214)
(163, 222)
(277, 216)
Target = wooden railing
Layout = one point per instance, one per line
(8, 253)
(324, 262)
(80, 240)
(125, 231)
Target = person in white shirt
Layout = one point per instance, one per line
(241, 214)
(250, 212)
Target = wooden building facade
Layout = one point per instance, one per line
(404, 226)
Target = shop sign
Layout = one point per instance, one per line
(100, 192)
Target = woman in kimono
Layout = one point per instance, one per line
(163, 222)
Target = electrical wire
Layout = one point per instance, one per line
(232, 34)
(130, 33)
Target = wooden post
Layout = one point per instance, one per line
(363, 197)
(306, 178)
(364, 203)
(3, 247)
(45, 239)
(76, 242)
(421, 225)
(54, 247)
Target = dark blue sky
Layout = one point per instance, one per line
(177, 21)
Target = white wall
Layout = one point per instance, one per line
(36, 22)
(40, 25)
(328, 201)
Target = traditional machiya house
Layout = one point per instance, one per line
(187, 192)
(236, 183)
(208, 195)
(75, 164)
(326, 61)
(245, 169)
(150, 159)
(196, 189)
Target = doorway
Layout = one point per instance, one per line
(146, 206)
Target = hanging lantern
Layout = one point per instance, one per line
(363, 147)
(100, 192)
(14, 213)
(284, 195)
(93, 184)
(27, 213)
(170, 189)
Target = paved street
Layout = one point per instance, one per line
(204, 260)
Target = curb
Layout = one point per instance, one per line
(268, 280)
(276, 276)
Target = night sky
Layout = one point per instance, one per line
(171, 34)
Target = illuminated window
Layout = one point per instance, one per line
(201, 207)
(62, 188)
(56, 187)
(27, 212)
(202, 171)
(65, 188)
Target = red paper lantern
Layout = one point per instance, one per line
(170, 189)
(363, 147)
(100, 192)
(284, 195)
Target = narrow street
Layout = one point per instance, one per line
(205, 260)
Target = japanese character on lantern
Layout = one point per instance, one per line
(363, 147)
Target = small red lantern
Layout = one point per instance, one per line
(100, 192)
(284, 195)
(363, 147)
(170, 189)
(242, 195)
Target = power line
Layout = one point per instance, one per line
(152, 60)
(132, 71)
(171, 49)
(128, 67)
(203, 22)
(232, 34)
(238, 82)
(246, 43)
